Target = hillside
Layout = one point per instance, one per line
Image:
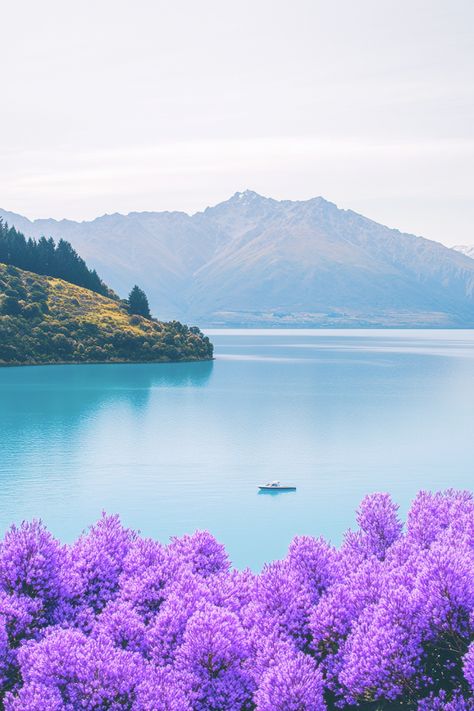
(48, 320)
(253, 260)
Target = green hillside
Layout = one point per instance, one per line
(47, 320)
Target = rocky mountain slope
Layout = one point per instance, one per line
(253, 260)
(467, 249)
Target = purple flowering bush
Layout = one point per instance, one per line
(115, 621)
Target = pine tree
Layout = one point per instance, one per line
(43, 256)
(138, 302)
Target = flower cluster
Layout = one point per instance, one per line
(115, 621)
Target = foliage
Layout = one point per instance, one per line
(115, 621)
(44, 256)
(138, 302)
(47, 320)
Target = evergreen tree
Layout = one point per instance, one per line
(138, 302)
(43, 256)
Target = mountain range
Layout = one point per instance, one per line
(253, 260)
(467, 249)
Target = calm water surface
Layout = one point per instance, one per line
(172, 448)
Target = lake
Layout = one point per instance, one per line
(178, 447)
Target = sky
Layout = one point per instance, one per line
(122, 105)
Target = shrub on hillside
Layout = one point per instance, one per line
(39, 324)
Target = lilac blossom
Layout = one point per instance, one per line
(378, 520)
(294, 683)
(201, 553)
(215, 655)
(88, 673)
(382, 653)
(115, 621)
(432, 513)
(282, 602)
(31, 562)
(469, 667)
(314, 563)
(97, 559)
(35, 696)
(162, 689)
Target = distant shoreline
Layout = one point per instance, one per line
(214, 330)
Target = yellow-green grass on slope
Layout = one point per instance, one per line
(48, 320)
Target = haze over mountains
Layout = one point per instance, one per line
(467, 249)
(252, 260)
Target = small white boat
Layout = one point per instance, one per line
(277, 485)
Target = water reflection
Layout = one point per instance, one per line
(275, 492)
(46, 411)
(46, 392)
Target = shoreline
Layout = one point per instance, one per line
(108, 362)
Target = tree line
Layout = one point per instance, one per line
(59, 260)
(45, 257)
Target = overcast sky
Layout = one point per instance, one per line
(122, 105)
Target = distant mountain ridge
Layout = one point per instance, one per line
(253, 260)
(467, 249)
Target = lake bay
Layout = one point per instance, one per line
(178, 447)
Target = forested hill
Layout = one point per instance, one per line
(47, 320)
(44, 256)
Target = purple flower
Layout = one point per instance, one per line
(445, 584)
(117, 622)
(378, 520)
(315, 564)
(165, 634)
(215, 655)
(446, 702)
(293, 683)
(200, 553)
(284, 602)
(162, 690)
(35, 697)
(97, 559)
(469, 667)
(31, 562)
(121, 624)
(383, 651)
(87, 673)
(431, 514)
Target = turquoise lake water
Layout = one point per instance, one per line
(178, 447)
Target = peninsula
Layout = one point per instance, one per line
(46, 319)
